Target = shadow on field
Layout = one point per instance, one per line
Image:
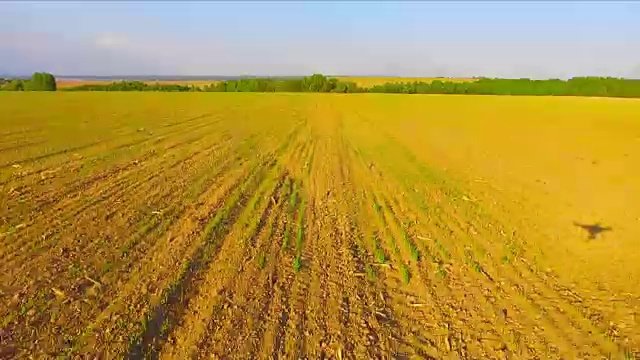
(593, 230)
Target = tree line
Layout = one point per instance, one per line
(39, 81)
(133, 86)
(578, 86)
(314, 83)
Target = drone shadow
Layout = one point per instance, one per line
(593, 230)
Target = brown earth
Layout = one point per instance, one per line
(318, 226)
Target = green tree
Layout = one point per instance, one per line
(329, 85)
(314, 83)
(14, 85)
(41, 81)
(345, 87)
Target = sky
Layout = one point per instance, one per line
(544, 39)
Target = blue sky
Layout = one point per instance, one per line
(501, 38)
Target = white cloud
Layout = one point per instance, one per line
(111, 41)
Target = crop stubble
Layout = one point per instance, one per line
(295, 225)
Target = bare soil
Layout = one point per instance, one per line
(318, 226)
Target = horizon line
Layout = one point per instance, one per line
(148, 77)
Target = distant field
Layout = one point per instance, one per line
(358, 226)
(367, 82)
(66, 83)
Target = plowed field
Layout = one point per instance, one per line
(170, 225)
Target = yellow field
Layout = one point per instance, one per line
(367, 82)
(244, 225)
